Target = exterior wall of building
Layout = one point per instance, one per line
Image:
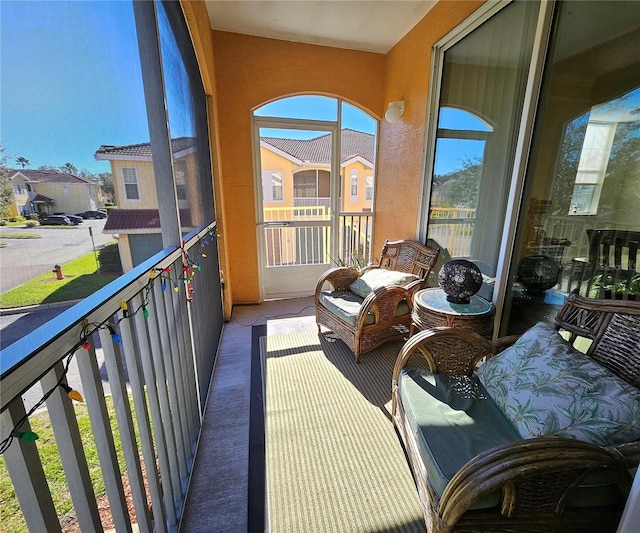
(275, 162)
(70, 197)
(359, 203)
(236, 78)
(146, 185)
(21, 196)
(243, 84)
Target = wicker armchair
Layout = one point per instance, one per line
(535, 479)
(365, 322)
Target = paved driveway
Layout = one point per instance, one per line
(25, 259)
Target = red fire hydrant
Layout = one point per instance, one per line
(58, 271)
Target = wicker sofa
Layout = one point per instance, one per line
(368, 307)
(524, 433)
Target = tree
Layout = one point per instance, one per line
(107, 183)
(7, 199)
(462, 190)
(22, 161)
(69, 168)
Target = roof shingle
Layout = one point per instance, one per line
(318, 150)
(144, 149)
(49, 176)
(140, 220)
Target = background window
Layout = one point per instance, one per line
(368, 191)
(181, 185)
(276, 185)
(130, 180)
(354, 183)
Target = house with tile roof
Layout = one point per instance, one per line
(296, 172)
(51, 191)
(136, 220)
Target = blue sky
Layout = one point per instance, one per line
(71, 82)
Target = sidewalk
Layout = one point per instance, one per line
(32, 308)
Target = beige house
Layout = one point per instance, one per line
(296, 173)
(50, 191)
(136, 222)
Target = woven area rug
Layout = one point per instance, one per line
(334, 461)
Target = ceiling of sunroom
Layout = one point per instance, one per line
(374, 26)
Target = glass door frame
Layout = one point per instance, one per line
(332, 127)
(523, 139)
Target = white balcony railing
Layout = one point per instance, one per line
(158, 349)
(307, 245)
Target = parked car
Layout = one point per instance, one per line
(57, 220)
(92, 214)
(75, 219)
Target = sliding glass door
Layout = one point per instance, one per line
(481, 97)
(580, 221)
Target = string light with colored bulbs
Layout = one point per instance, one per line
(189, 267)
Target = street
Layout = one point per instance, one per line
(16, 325)
(25, 259)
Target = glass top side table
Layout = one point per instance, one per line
(431, 309)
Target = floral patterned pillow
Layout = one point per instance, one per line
(544, 386)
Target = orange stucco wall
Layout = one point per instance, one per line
(250, 71)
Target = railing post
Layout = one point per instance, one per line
(25, 469)
(97, 407)
(137, 383)
(74, 461)
(149, 344)
(117, 382)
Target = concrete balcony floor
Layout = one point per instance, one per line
(217, 499)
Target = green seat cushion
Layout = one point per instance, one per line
(346, 305)
(379, 277)
(453, 419)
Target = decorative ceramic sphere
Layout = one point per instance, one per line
(460, 280)
(538, 273)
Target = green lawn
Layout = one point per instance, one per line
(21, 236)
(80, 279)
(11, 516)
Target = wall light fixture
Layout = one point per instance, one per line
(394, 111)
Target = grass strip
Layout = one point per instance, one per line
(21, 236)
(80, 279)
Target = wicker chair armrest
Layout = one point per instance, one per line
(453, 351)
(517, 467)
(416, 285)
(383, 301)
(339, 277)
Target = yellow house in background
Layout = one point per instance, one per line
(296, 173)
(136, 221)
(50, 191)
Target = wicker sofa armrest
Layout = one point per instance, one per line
(339, 278)
(453, 351)
(534, 475)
